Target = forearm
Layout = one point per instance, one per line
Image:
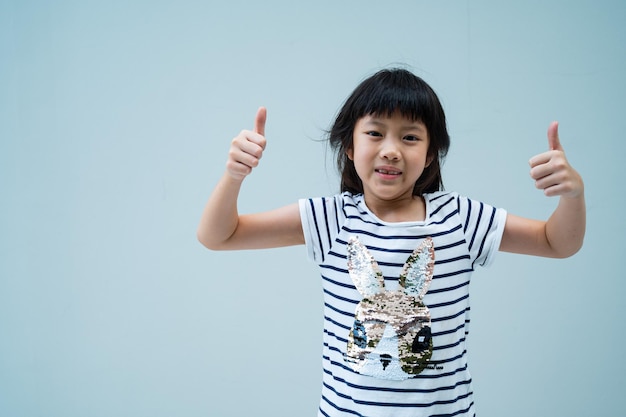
(220, 216)
(565, 229)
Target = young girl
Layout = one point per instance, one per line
(395, 251)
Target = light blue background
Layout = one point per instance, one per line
(115, 120)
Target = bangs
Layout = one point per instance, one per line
(394, 92)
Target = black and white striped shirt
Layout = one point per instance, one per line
(465, 233)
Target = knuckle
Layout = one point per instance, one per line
(557, 161)
(235, 143)
(534, 174)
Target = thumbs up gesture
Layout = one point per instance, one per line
(247, 148)
(552, 172)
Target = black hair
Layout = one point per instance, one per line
(383, 94)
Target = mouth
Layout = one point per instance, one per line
(387, 171)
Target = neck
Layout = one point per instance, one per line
(406, 209)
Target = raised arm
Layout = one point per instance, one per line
(563, 233)
(222, 227)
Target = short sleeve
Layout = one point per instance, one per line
(321, 221)
(483, 226)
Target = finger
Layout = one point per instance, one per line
(238, 169)
(247, 138)
(249, 142)
(540, 159)
(554, 143)
(553, 137)
(242, 159)
(550, 180)
(540, 170)
(556, 189)
(259, 121)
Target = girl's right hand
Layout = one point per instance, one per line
(247, 148)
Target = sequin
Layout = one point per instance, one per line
(391, 337)
(364, 270)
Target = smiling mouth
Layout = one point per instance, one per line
(388, 172)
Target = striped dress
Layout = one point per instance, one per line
(363, 373)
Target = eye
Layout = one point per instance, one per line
(374, 133)
(358, 333)
(411, 138)
(422, 340)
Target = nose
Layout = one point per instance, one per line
(390, 150)
(385, 359)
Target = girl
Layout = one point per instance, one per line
(395, 251)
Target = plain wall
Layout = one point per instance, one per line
(115, 121)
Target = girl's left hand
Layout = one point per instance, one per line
(552, 172)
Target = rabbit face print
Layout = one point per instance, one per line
(391, 335)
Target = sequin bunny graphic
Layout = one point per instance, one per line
(391, 336)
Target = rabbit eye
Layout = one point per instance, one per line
(422, 340)
(358, 334)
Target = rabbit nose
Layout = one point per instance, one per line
(385, 359)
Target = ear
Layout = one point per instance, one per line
(350, 153)
(364, 270)
(417, 273)
(429, 159)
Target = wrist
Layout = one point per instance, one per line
(233, 178)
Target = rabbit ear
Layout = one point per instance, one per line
(364, 270)
(418, 270)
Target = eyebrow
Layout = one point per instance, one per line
(380, 123)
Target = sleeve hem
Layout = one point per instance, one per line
(497, 238)
(306, 229)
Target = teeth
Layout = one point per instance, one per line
(384, 171)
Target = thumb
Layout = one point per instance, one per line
(259, 121)
(553, 137)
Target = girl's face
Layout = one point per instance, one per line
(389, 155)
